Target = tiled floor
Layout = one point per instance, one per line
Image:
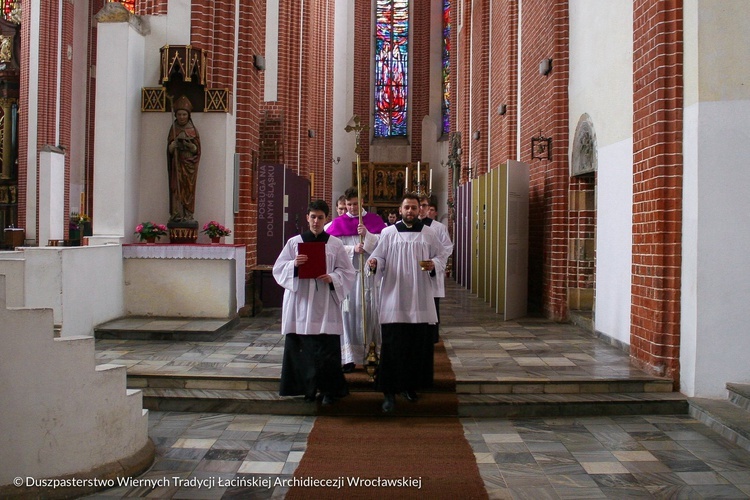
(591, 457)
(481, 348)
(607, 457)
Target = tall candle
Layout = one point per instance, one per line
(406, 185)
(430, 179)
(419, 179)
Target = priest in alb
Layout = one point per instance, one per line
(359, 239)
(409, 256)
(311, 312)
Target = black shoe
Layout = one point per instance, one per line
(389, 403)
(310, 399)
(410, 396)
(328, 400)
(348, 368)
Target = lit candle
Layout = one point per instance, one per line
(406, 185)
(430, 179)
(419, 179)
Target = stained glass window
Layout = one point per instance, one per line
(6, 8)
(129, 4)
(391, 63)
(446, 66)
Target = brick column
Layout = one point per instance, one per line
(657, 186)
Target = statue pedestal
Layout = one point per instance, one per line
(184, 232)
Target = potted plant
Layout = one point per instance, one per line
(84, 221)
(149, 231)
(215, 231)
(75, 226)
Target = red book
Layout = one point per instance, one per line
(316, 260)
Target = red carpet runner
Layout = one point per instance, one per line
(399, 456)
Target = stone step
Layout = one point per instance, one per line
(363, 402)
(739, 394)
(144, 380)
(724, 417)
(569, 405)
(270, 403)
(180, 329)
(562, 386)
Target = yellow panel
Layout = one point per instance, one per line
(482, 238)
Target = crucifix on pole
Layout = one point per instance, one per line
(371, 358)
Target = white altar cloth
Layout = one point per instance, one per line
(234, 252)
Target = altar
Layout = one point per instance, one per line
(194, 280)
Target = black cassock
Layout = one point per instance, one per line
(312, 362)
(406, 357)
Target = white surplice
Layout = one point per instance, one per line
(353, 344)
(445, 240)
(310, 307)
(406, 292)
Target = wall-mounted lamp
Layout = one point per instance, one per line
(336, 161)
(310, 133)
(545, 67)
(259, 62)
(476, 135)
(502, 109)
(541, 147)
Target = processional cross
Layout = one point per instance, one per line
(371, 358)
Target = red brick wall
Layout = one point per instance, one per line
(504, 82)
(248, 106)
(479, 82)
(362, 78)
(47, 113)
(151, 7)
(212, 30)
(315, 99)
(544, 108)
(657, 185)
(23, 120)
(461, 91)
(317, 91)
(419, 80)
(581, 269)
(94, 7)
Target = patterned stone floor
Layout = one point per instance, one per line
(202, 455)
(480, 345)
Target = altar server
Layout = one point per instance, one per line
(311, 312)
(408, 258)
(428, 208)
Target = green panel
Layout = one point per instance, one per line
(474, 236)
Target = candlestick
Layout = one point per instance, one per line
(419, 178)
(406, 182)
(430, 180)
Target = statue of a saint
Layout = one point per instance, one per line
(183, 157)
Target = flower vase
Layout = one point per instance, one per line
(215, 240)
(151, 240)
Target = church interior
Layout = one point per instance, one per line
(156, 155)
